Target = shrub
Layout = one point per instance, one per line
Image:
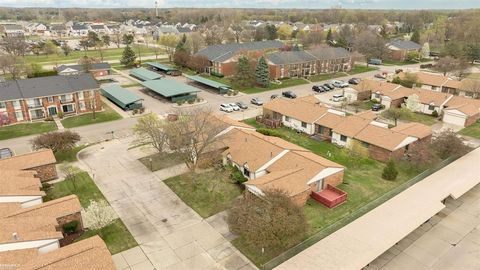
(49, 118)
(60, 115)
(56, 141)
(390, 171)
(191, 101)
(447, 144)
(70, 227)
(435, 114)
(270, 132)
(237, 175)
(235, 92)
(98, 215)
(179, 102)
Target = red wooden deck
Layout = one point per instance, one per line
(330, 196)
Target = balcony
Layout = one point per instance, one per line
(330, 196)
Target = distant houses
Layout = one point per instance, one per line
(399, 49)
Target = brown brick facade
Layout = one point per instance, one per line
(472, 120)
(382, 154)
(68, 218)
(45, 172)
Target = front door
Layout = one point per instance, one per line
(52, 111)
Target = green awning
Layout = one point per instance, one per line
(162, 67)
(145, 74)
(214, 84)
(169, 88)
(120, 96)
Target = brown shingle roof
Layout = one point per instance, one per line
(303, 109)
(18, 257)
(375, 86)
(431, 97)
(381, 137)
(468, 106)
(55, 208)
(91, 253)
(351, 125)
(20, 185)
(329, 120)
(28, 229)
(429, 78)
(414, 129)
(29, 160)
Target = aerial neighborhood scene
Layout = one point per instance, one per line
(143, 135)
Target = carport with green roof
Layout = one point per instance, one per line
(122, 97)
(164, 68)
(144, 74)
(220, 87)
(171, 89)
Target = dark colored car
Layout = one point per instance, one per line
(5, 153)
(274, 96)
(329, 86)
(289, 94)
(354, 81)
(376, 107)
(242, 105)
(318, 88)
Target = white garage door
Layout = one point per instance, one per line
(453, 119)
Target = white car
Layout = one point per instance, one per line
(337, 97)
(226, 107)
(234, 106)
(340, 84)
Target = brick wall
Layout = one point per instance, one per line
(384, 155)
(228, 69)
(334, 180)
(45, 172)
(301, 198)
(398, 55)
(472, 120)
(68, 218)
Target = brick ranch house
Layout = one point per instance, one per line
(399, 49)
(42, 163)
(273, 163)
(316, 119)
(37, 98)
(224, 57)
(309, 62)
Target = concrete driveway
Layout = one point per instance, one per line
(170, 234)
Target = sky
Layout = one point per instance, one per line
(304, 4)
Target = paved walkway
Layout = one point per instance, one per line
(58, 123)
(449, 240)
(170, 234)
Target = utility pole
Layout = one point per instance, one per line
(156, 9)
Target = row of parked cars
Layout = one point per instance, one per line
(335, 84)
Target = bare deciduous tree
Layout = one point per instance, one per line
(150, 129)
(56, 141)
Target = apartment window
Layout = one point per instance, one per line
(304, 125)
(343, 138)
(287, 119)
(68, 108)
(19, 115)
(16, 104)
(3, 105)
(50, 99)
(82, 105)
(35, 102)
(80, 95)
(66, 98)
(431, 107)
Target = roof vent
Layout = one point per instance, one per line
(15, 236)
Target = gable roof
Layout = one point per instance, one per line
(405, 44)
(381, 137)
(55, 208)
(28, 229)
(90, 253)
(328, 53)
(28, 160)
(375, 86)
(169, 87)
(432, 97)
(413, 129)
(46, 86)
(223, 52)
(468, 106)
(291, 57)
(303, 109)
(94, 66)
(351, 125)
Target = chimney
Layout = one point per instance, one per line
(15, 236)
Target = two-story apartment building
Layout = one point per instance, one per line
(37, 98)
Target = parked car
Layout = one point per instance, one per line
(234, 106)
(226, 107)
(375, 61)
(376, 107)
(329, 86)
(319, 88)
(274, 96)
(380, 76)
(427, 66)
(354, 81)
(256, 101)
(242, 105)
(339, 84)
(289, 94)
(6, 153)
(337, 97)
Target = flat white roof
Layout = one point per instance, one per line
(360, 242)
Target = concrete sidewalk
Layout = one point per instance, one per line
(170, 234)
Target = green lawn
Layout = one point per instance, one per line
(69, 155)
(325, 77)
(160, 161)
(420, 118)
(108, 54)
(471, 131)
(252, 90)
(19, 130)
(362, 182)
(116, 235)
(361, 69)
(389, 62)
(206, 192)
(87, 119)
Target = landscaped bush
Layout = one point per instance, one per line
(435, 114)
(216, 74)
(270, 132)
(191, 101)
(42, 73)
(49, 118)
(390, 171)
(237, 175)
(70, 227)
(60, 115)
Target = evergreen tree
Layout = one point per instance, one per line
(181, 45)
(390, 171)
(329, 35)
(271, 32)
(244, 75)
(415, 37)
(128, 57)
(262, 74)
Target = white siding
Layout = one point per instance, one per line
(44, 245)
(336, 140)
(454, 117)
(297, 125)
(26, 201)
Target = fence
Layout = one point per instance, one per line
(352, 216)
